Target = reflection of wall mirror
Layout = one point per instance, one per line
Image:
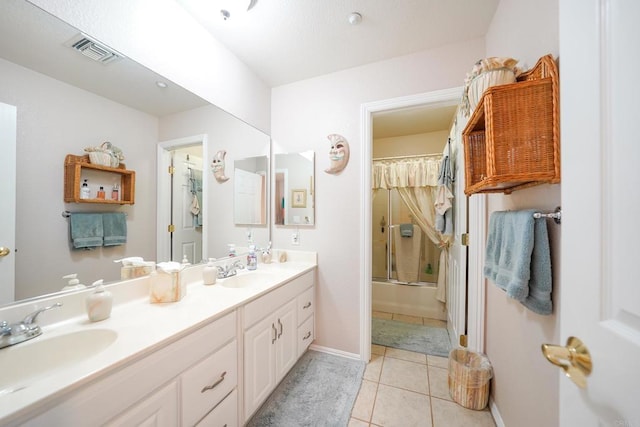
(250, 184)
(65, 102)
(294, 189)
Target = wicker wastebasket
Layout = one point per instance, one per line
(469, 378)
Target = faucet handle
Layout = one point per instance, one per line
(31, 318)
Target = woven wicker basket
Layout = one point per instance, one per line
(103, 155)
(486, 80)
(469, 378)
(512, 138)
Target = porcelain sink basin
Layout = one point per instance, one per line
(251, 279)
(28, 361)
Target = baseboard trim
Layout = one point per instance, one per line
(495, 413)
(335, 352)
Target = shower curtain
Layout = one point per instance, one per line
(416, 180)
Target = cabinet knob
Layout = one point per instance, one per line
(307, 305)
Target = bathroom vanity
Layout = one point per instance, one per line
(210, 359)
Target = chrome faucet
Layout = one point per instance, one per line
(24, 330)
(229, 269)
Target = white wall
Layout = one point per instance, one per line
(55, 119)
(303, 114)
(162, 36)
(408, 145)
(240, 141)
(525, 387)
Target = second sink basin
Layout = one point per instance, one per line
(44, 355)
(251, 279)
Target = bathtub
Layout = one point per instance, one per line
(407, 299)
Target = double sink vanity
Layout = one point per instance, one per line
(210, 359)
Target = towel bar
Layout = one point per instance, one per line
(67, 214)
(556, 216)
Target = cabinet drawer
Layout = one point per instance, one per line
(208, 382)
(306, 304)
(305, 335)
(225, 414)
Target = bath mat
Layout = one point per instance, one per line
(320, 390)
(408, 336)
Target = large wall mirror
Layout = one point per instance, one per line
(250, 190)
(65, 102)
(294, 189)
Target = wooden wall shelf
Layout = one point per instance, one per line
(512, 140)
(73, 167)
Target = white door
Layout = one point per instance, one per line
(8, 117)
(457, 289)
(600, 288)
(187, 237)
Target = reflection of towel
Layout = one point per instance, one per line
(444, 213)
(195, 205)
(115, 228)
(407, 254)
(518, 258)
(406, 230)
(86, 230)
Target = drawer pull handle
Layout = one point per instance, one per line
(306, 337)
(307, 305)
(275, 334)
(214, 385)
(280, 324)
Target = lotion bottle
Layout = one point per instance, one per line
(209, 273)
(101, 194)
(252, 258)
(99, 303)
(85, 193)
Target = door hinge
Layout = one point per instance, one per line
(171, 170)
(171, 228)
(464, 239)
(463, 340)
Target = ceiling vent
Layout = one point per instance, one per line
(94, 50)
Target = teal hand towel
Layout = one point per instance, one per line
(86, 230)
(115, 228)
(518, 259)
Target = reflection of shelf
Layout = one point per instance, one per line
(73, 167)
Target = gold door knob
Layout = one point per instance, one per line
(4, 251)
(574, 359)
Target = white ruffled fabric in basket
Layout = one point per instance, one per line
(487, 72)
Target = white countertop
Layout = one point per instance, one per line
(141, 328)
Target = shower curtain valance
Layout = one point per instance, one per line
(405, 173)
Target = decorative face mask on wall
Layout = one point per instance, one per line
(338, 154)
(217, 166)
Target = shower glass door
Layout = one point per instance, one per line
(412, 260)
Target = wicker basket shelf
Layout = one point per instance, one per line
(73, 167)
(512, 140)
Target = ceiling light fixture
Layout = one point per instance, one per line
(232, 8)
(354, 18)
(161, 84)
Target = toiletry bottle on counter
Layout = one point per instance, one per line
(232, 249)
(85, 193)
(99, 303)
(101, 193)
(115, 192)
(209, 273)
(252, 258)
(73, 283)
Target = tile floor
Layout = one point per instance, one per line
(407, 389)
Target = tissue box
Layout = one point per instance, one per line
(133, 271)
(167, 287)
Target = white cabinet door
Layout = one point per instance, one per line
(259, 362)
(287, 339)
(159, 410)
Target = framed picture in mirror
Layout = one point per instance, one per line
(299, 198)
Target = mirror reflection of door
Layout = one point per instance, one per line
(8, 117)
(186, 204)
(280, 198)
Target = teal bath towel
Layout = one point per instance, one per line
(86, 230)
(115, 228)
(518, 258)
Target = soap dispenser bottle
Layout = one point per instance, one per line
(73, 283)
(252, 258)
(85, 193)
(209, 273)
(99, 303)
